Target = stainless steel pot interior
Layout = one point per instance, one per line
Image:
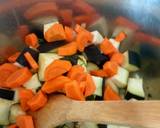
(145, 13)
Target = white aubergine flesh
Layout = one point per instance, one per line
(45, 59)
(121, 78)
(33, 83)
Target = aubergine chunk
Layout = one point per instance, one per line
(95, 56)
(21, 59)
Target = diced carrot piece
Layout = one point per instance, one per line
(37, 102)
(69, 34)
(68, 49)
(5, 71)
(25, 95)
(100, 73)
(41, 9)
(122, 21)
(55, 84)
(25, 121)
(107, 48)
(110, 94)
(121, 36)
(57, 68)
(73, 90)
(82, 86)
(83, 7)
(82, 39)
(110, 68)
(81, 77)
(12, 126)
(55, 33)
(118, 58)
(14, 57)
(90, 86)
(79, 28)
(18, 78)
(66, 16)
(31, 60)
(76, 69)
(32, 40)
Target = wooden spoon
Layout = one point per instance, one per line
(61, 109)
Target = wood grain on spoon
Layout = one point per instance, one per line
(61, 109)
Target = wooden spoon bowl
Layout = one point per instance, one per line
(61, 109)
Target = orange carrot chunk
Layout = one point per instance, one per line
(18, 78)
(118, 58)
(90, 86)
(55, 85)
(57, 68)
(69, 32)
(107, 48)
(73, 90)
(110, 68)
(37, 102)
(24, 121)
(55, 33)
(79, 28)
(76, 69)
(12, 126)
(110, 94)
(120, 37)
(32, 40)
(5, 71)
(82, 86)
(25, 95)
(82, 39)
(14, 57)
(100, 73)
(31, 60)
(68, 49)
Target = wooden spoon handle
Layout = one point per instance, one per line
(132, 113)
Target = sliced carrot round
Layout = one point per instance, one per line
(18, 78)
